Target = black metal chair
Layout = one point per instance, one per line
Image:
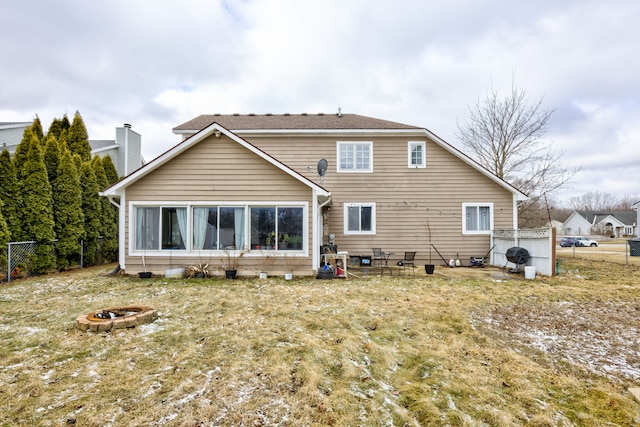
(408, 261)
(382, 258)
(378, 257)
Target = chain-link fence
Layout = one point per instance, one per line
(17, 258)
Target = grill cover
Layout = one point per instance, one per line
(517, 255)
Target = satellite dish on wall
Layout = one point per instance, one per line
(322, 167)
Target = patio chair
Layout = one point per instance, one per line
(378, 257)
(408, 262)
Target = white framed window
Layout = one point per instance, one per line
(477, 218)
(359, 218)
(416, 153)
(355, 156)
(161, 228)
(194, 227)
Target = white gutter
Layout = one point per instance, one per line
(317, 230)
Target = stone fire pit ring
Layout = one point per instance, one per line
(128, 316)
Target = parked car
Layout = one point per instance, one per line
(569, 241)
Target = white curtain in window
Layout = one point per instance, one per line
(147, 228)
(200, 217)
(484, 222)
(472, 218)
(239, 228)
(139, 228)
(181, 214)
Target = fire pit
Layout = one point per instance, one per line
(128, 316)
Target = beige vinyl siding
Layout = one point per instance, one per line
(217, 170)
(404, 196)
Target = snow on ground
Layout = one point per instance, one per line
(599, 336)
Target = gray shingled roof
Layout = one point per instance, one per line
(290, 122)
(625, 217)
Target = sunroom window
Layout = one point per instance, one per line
(200, 228)
(161, 228)
(279, 228)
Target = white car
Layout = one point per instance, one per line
(577, 241)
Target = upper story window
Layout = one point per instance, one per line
(477, 218)
(355, 156)
(417, 154)
(359, 218)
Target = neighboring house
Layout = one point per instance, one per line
(11, 134)
(251, 182)
(125, 150)
(618, 223)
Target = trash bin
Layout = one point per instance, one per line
(634, 246)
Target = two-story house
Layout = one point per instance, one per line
(125, 150)
(279, 187)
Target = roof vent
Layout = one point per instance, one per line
(339, 112)
(127, 125)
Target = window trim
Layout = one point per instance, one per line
(189, 251)
(477, 205)
(354, 143)
(346, 207)
(410, 145)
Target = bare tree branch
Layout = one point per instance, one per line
(505, 135)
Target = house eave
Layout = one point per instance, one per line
(213, 129)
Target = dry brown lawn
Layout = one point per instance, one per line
(495, 350)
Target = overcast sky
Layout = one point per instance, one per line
(156, 64)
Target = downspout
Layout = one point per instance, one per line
(317, 230)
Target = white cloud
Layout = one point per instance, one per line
(158, 64)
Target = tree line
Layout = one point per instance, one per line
(49, 194)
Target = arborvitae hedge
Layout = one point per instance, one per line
(78, 139)
(10, 195)
(68, 214)
(4, 239)
(110, 170)
(92, 213)
(109, 219)
(37, 209)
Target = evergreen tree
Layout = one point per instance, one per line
(51, 157)
(110, 170)
(36, 128)
(92, 213)
(4, 239)
(109, 219)
(78, 139)
(22, 151)
(58, 126)
(67, 211)
(10, 196)
(37, 211)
